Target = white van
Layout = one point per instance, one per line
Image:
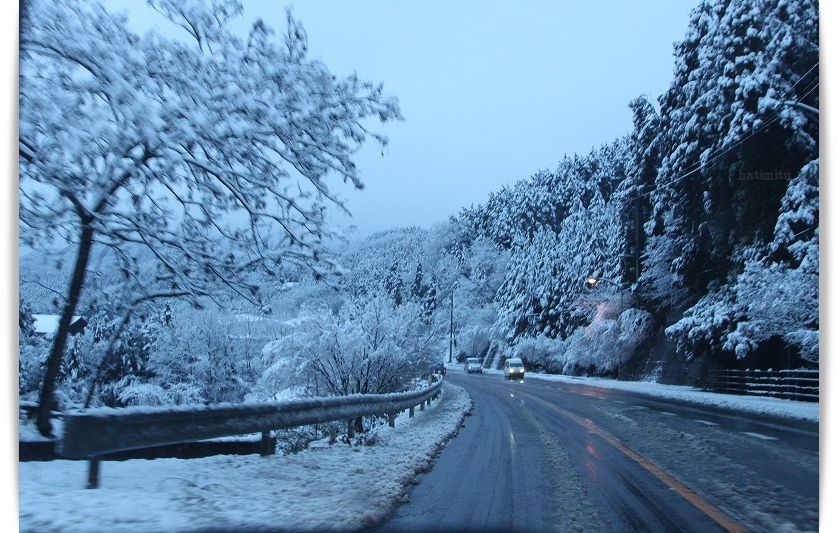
(513, 368)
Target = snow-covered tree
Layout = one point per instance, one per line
(745, 84)
(607, 342)
(368, 263)
(208, 154)
(429, 301)
(418, 289)
(393, 283)
(31, 351)
(543, 290)
(780, 290)
(366, 346)
(776, 295)
(743, 102)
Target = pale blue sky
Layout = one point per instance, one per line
(491, 91)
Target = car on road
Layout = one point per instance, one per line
(473, 364)
(513, 368)
(439, 368)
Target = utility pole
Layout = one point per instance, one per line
(451, 328)
(637, 239)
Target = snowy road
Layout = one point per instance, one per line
(555, 456)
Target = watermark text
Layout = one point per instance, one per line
(764, 175)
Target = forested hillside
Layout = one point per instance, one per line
(702, 222)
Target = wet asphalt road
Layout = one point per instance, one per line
(542, 456)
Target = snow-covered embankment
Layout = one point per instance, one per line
(324, 487)
(755, 405)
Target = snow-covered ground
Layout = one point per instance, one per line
(28, 432)
(746, 404)
(324, 487)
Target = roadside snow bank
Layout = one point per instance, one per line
(758, 405)
(334, 487)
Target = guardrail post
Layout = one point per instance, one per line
(350, 428)
(410, 412)
(422, 405)
(268, 446)
(93, 474)
(391, 420)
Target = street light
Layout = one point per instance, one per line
(592, 281)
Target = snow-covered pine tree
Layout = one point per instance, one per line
(742, 106)
(393, 284)
(429, 302)
(787, 272)
(418, 289)
(731, 110)
(543, 290)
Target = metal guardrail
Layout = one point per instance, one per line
(789, 384)
(92, 433)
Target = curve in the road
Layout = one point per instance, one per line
(544, 456)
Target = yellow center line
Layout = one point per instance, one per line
(700, 503)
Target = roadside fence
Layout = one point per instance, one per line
(798, 384)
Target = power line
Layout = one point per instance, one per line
(721, 151)
(769, 122)
(714, 155)
(812, 85)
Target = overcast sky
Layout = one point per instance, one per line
(491, 91)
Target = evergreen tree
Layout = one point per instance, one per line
(393, 284)
(418, 290)
(429, 302)
(741, 105)
(730, 110)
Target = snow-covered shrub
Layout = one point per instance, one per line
(33, 351)
(33, 356)
(474, 329)
(136, 393)
(184, 394)
(541, 352)
(295, 440)
(367, 438)
(366, 346)
(474, 340)
(132, 391)
(607, 343)
(285, 368)
(635, 326)
(779, 301)
(594, 346)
